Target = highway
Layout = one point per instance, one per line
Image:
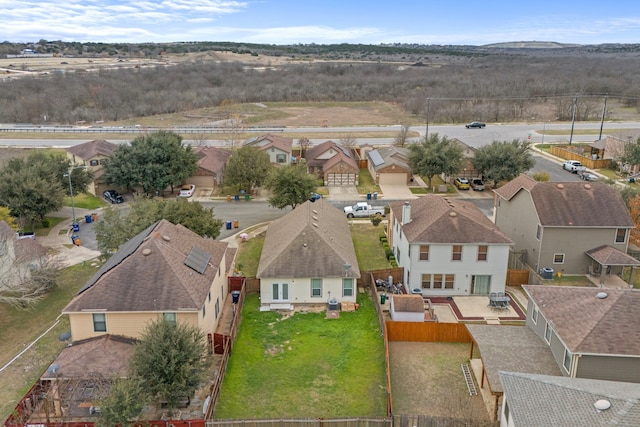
(473, 137)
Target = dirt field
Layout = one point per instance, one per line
(427, 379)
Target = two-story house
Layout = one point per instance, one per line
(568, 227)
(94, 155)
(333, 163)
(448, 247)
(165, 271)
(279, 148)
(18, 257)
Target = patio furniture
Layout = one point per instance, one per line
(498, 300)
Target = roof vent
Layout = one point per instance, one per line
(146, 251)
(452, 214)
(602, 405)
(587, 186)
(560, 185)
(601, 295)
(166, 238)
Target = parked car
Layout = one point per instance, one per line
(462, 183)
(475, 125)
(113, 196)
(477, 184)
(187, 190)
(315, 196)
(573, 166)
(587, 176)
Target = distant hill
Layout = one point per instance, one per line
(531, 45)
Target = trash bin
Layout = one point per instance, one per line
(75, 226)
(236, 224)
(246, 197)
(368, 196)
(87, 219)
(547, 273)
(75, 239)
(94, 217)
(375, 195)
(383, 298)
(228, 197)
(237, 197)
(235, 295)
(228, 224)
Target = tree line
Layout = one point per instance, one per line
(488, 87)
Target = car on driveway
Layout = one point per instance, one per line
(462, 183)
(573, 166)
(187, 190)
(477, 184)
(475, 125)
(315, 196)
(113, 196)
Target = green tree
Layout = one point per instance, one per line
(631, 154)
(290, 186)
(115, 229)
(154, 162)
(503, 160)
(435, 155)
(35, 186)
(247, 167)
(170, 361)
(5, 215)
(123, 403)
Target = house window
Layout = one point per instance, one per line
(217, 307)
(482, 252)
(558, 258)
(424, 252)
(547, 334)
(170, 318)
(204, 311)
(621, 235)
(538, 232)
(210, 296)
(103, 161)
(567, 361)
(316, 287)
(437, 281)
(93, 162)
(397, 253)
(3, 248)
(448, 281)
(99, 322)
(534, 314)
(457, 253)
(347, 287)
(426, 281)
(280, 158)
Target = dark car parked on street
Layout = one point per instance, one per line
(475, 125)
(113, 196)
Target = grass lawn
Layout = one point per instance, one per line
(18, 328)
(366, 183)
(305, 366)
(85, 201)
(369, 251)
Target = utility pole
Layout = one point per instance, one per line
(604, 111)
(426, 135)
(573, 118)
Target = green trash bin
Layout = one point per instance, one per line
(247, 197)
(383, 298)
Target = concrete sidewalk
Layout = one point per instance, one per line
(59, 239)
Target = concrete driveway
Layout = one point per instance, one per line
(396, 192)
(343, 193)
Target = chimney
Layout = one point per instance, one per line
(406, 213)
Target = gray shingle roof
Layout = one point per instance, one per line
(148, 274)
(587, 324)
(572, 204)
(543, 401)
(93, 148)
(313, 240)
(512, 348)
(436, 219)
(392, 155)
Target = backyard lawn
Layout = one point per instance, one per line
(305, 365)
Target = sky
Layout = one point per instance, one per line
(281, 22)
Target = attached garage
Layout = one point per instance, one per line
(392, 179)
(339, 179)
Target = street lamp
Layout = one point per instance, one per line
(75, 225)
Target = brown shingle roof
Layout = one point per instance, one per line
(343, 154)
(212, 159)
(436, 219)
(572, 204)
(93, 148)
(608, 255)
(587, 324)
(149, 274)
(313, 240)
(408, 303)
(280, 142)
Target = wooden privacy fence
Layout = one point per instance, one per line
(517, 277)
(427, 332)
(572, 154)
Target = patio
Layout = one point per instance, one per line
(475, 308)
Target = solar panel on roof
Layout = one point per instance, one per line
(344, 150)
(376, 158)
(197, 259)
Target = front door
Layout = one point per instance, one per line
(280, 292)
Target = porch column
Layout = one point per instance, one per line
(603, 268)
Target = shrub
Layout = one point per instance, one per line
(388, 253)
(46, 223)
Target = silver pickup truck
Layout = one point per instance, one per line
(363, 210)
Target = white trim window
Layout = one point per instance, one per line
(534, 314)
(621, 235)
(99, 322)
(566, 363)
(316, 288)
(170, 318)
(347, 287)
(547, 333)
(558, 258)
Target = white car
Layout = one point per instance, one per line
(187, 190)
(573, 166)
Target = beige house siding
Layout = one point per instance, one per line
(518, 219)
(97, 187)
(611, 368)
(300, 290)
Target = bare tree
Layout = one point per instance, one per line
(348, 140)
(304, 144)
(401, 138)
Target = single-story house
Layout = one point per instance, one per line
(308, 258)
(390, 165)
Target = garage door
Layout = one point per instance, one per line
(341, 179)
(393, 178)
